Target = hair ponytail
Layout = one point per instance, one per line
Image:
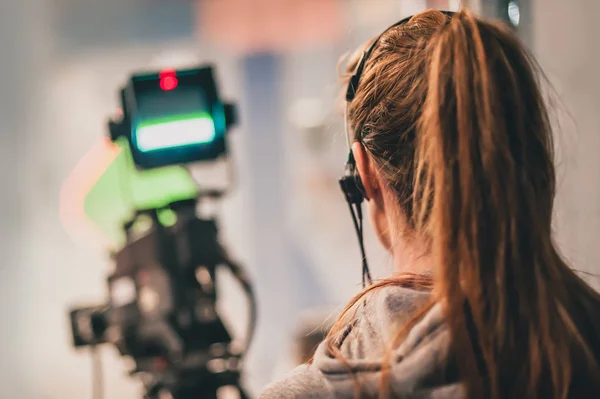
(451, 112)
(485, 183)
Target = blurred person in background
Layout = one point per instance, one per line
(453, 145)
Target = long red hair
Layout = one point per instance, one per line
(450, 109)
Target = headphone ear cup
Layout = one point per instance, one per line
(359, 183)
(351, 185)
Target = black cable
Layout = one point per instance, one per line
(97, 374)
(366, 273)
(242, 393)
(357, 220)
(244, 281)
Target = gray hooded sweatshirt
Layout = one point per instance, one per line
(421, 367)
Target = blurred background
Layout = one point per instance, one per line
(61, 66)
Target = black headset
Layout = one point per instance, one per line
(350, 182)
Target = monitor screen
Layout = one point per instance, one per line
(169, 119)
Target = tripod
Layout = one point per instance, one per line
(196, 356)
(162, 307)
(197, 383)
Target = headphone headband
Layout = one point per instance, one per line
(355, 78)
(350, 182)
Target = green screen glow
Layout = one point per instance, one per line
(175, 132)
(122, 189)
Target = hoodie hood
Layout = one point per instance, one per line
(420, 367)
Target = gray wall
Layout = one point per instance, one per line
(24, 54)
(565, 40)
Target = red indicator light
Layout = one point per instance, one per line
(168, 79)
(168, 83)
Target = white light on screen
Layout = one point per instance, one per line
(175, 133)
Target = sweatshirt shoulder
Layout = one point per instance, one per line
(305, 381)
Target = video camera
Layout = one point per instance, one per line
(161, 308)
(173, 117)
